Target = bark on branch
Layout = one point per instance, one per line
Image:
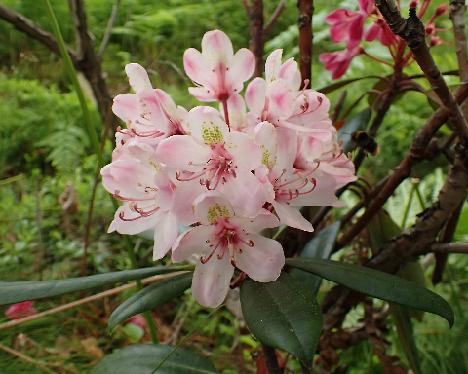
(403, 170)
(304, 22)
(457, 15)
(412, 31)
(29, 28)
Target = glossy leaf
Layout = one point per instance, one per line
(283, 314)
(377, 284)
(144, 358)
(150, 297)
(15, 292)
(355, 123)
(321, 246)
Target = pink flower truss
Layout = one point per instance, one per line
(21, 310)
(349, 27)
(207, 180)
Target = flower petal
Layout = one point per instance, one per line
(182, 153)
(217, 48)
(138, 77)
(165, 234)
(196, 67)
(291, 216)
(192, 242)
(241, 69)
(210, 282)
(272, 65)
(133, 227)
(255, 96)
(262, 262)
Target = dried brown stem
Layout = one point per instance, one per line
(26, 358)
(304, 22)
(450, 248)
(271, 360)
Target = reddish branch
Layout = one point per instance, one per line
(402, 171)
(258, 32)
(413, 32)
(304, 22)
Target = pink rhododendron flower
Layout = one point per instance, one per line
(380, 31)
(226, 239)
(224, 174)
(338, 62)
(348, 26)
(21, 310)
(217, 70)
(138, 320)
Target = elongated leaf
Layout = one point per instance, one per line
(150, 297)
(377, 284)
(355, 123)
(320, 246)
(14, 292)
(144, 358)
(337, 85)
(283, 314)
(405, 334)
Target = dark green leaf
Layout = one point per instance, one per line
(14, 292)
(355, 123)
(283, 314)
(377, 284)
(337, 85)
(150, 297)
(406, 336)
(144, 358)
(320, 246)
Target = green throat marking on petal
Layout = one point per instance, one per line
(217, 211)
(211, 134)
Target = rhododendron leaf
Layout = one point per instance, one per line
(144, 358)
(320, 246)
(150, 297)
(14, 292)
(377, 284)
(355, 123)
(283, 314)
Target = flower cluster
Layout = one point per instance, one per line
(226, 174)
(348, 26)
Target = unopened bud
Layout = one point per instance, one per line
(413, 4)
(441, 9)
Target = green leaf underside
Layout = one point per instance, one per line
(144, 358)
(150, 297)
(14, 292)
(377, 284)
(283, 314)
(355, 123)
(320, 246)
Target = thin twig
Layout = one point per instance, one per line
(26, 358)
(271, 22)
(89, 299)
(110, 24)
(255, 14)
